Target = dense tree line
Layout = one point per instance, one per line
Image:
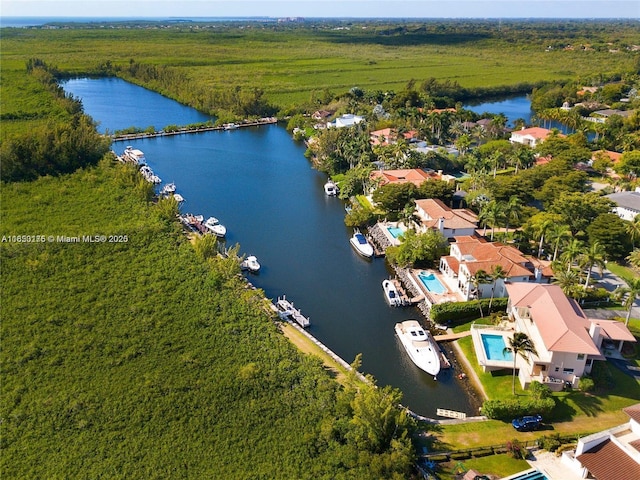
(62, 145)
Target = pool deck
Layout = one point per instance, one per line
(450, 295)
(489, 364)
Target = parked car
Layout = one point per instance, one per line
(528, 423)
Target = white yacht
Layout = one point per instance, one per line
(168, 189)
(330, 188)
(420, 345)
(360, 243)
(133, 155)
(391, 294)
(251, 264)
(215, 227)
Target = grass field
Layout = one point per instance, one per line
(290, 65)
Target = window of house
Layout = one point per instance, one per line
(581, 356)
(557, 369)
(567, 371)
(589, 362)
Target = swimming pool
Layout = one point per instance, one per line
(494, 347)
(395, 231)
(431, 283)
(529, 475)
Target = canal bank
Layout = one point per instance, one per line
(258, 183)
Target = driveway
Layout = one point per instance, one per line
(610, 282)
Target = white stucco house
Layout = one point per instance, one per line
(469, 255)
(612, 454)
(566, 341)
(532, 136)
(627, 204)
(451, 222)
(346, 120)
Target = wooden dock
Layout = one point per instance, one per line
(451, 336)
(187, 130)
(287, 311)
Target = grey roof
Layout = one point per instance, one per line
(630, 200)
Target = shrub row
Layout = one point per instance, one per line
(454, 312)
(508, 409)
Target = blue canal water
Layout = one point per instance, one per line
(513, 108)
(262, 188)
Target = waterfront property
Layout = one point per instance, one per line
(417, 176)
(566, 341)
(435, 215)
(489, 343)
(610, 454)
(470, 255)
(532, 136)
(432, 285)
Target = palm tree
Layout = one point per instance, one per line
(541, 229)
(628, 295)
(497, 273)
(519, 344)
(569, 282)
(571, 251)
(633, 229)
(634, 257)
(477, 279)
(557, 233)
(592, 257)
(491, 213)
(512, 209)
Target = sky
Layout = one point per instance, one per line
(324, 8)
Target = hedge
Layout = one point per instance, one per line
(452, 312)
(508, 409)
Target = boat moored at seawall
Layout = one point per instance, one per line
(361, 244)
(420, 346)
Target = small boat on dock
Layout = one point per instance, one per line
(360, 243)
(330, 188)
(230, 126)
(215, 227)
(251, 264)
(287, 311)
(179, 198)
(392, 294)
(149, 176)
(420, 346)
(168, 189)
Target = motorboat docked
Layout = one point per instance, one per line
(420, 345)
(391, 294)
(168, 189)
(149, 176)
(230, 126)
(215, 227)
(330, 188)
(178, 198)
(194, 222)
(360, 243)
(133, 155)
(250, 263)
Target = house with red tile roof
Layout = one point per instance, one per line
(612, 454)
(566, 341)
(530, 136)
(417, 176)
(386, 136)
(470, 255)
(451, 222)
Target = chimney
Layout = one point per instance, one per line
(441, 224)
